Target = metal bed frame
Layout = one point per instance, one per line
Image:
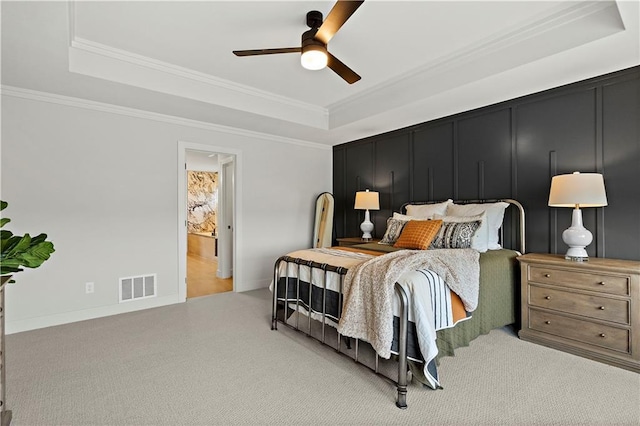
(402, 379)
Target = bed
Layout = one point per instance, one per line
(412, 303)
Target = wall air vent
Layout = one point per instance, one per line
(139, 287)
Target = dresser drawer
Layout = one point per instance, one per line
(602, 283)
(603, 308)
(583, 331)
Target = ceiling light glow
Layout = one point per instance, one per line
(314, 57)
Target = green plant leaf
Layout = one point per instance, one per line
(9, 243)
(43, 250)
(35, 255)
(30, 261)
(22, 245)
(11, 263)
(38, 239)
(17, 251)
(8, 269)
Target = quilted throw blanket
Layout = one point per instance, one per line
(369, 289)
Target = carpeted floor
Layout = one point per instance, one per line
(215, 361)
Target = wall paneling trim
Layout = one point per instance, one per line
(511, 150)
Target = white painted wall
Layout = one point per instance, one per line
(103, 186)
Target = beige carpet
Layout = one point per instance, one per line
(215, 361)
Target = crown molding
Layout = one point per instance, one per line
(106, 62)
(34, 95)
(448, 71)
(144, 61)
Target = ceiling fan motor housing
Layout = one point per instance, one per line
(308, 40)
(314, 19)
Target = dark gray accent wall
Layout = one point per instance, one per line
(511, 150)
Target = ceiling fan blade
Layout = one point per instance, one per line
(267, 51)
(336, 18)
(342, 70)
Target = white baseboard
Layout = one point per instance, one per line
(85, 314)
(255, 285)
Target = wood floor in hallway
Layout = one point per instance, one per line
(202, 279)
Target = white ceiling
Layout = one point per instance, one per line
(419, 60)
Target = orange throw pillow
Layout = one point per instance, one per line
(418, 234)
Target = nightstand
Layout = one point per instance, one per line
(352, 241)
(591, 308)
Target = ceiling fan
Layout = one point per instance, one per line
(314, 51)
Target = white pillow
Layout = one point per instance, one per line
(428, 210)
(480, 240)
(407, 218)
(495, 215)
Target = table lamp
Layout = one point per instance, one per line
(367, 200)
(577, 190)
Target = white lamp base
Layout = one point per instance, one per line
(577, 237)
(366, 227)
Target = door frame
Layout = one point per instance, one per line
(225, 216)
(183, 147)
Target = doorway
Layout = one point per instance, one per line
(206, 199)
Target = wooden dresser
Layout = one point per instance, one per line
(591, 309)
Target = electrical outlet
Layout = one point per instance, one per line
(88, 288)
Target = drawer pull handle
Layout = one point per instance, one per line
(547, 322)
(548, 297)
(602, 283)
(602, 335)
(602, 308)
(547, 275)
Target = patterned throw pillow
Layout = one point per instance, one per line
(495, 216)
(480, 240)
(394, 229)
(418, 234)
(454, 235)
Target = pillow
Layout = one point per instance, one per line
(418, 234)
(394, 228)
(404, 217)
(407, 218)
(455, 235)
(428, 210)
(495, 215)
(480, 240)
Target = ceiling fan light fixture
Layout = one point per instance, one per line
(313, 47)
(314, 57)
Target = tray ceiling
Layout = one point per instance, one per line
(418, 60)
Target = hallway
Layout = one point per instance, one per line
(202, 279)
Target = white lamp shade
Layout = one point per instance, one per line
(367, 200)
(577, 190)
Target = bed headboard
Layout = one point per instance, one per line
(513, 225)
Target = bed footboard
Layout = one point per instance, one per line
(285, 298)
